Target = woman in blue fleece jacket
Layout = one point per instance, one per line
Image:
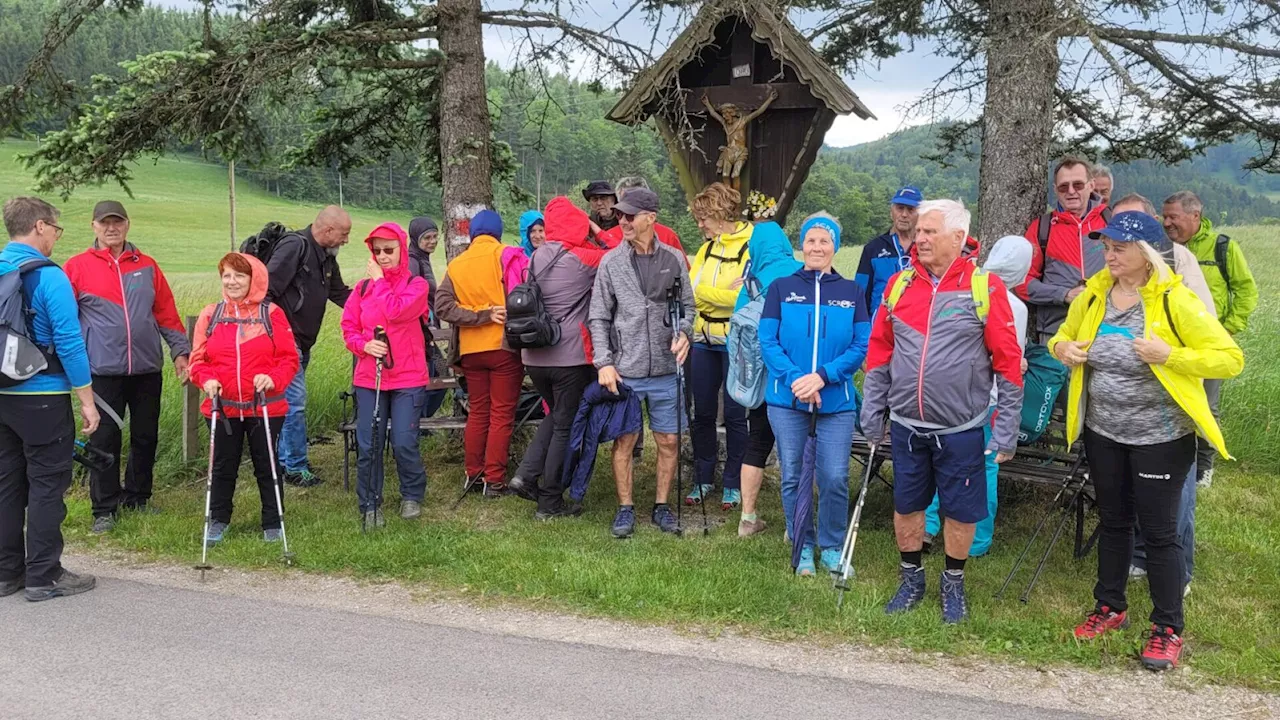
(813, 334)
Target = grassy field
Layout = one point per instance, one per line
(493, 550)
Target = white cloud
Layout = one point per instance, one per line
(888, 106)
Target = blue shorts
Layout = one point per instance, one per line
(661, 401)
(954, 466)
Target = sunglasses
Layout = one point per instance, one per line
(1077, 186)
(629, 217)
(384, 251)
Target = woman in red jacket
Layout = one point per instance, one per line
(243, 349)
(395, 299)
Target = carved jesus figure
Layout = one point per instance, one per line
(733, 154)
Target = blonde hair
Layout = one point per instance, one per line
(717, 202)
(1160, 270)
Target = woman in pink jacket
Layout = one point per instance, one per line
(394, 299)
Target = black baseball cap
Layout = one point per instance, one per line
(599, 188)
(638, 200)
(109, 208)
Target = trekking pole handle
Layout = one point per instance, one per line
(380, 334)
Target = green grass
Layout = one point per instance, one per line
(493, 551)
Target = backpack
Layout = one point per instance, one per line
(747, 375)
(265, 242)
(22, 358)
(1041, 383)
(220, 316)
(1046, 223)
(979, 287)
(529, 325)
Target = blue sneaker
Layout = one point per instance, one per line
(731, 499)
(830, 560)
(955, 607)
(624, 523)
(664, 518)
(216, 531)
(805, 568)
(272, 535)
(910, 592)
(698, 492)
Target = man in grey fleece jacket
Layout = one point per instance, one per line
(633, 342)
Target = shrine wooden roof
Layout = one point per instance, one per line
(767, 27)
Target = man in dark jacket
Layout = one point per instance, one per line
(888, 254)
(303, 279)
(601, 196)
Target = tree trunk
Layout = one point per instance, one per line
(1018, 116)
(464, 121)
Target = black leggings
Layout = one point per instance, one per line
(227, 453)
(759, 437)
(1142, 482)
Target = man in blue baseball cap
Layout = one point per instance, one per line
(889, 253)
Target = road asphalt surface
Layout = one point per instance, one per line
(134, 650)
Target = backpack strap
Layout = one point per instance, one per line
(1042, 234)
(1169, 317)
(980, 288)
(219, 316)
(899, 286)
(533, 273)
(1106, 214)
(219, 310)
(1220, 248)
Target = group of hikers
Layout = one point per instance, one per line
(614, 324)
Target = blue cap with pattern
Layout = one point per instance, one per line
(1132, 226)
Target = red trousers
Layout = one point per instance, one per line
(493, 387)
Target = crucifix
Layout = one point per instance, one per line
(733, 154)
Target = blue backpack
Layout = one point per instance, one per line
(747, 373)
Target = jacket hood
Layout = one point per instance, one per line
(566, 223)
(1165, 279)
(771, 251)
(1205, 232)
(391, 231)
(527, 221)
(1010, 259)
(486, 222)
(257, 283)
(419, 225)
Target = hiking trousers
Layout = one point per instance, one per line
(493, 387)
(561, 388)
(140, 396)
(710, 368)
(399, 419)
(228, 448)
(37, 433)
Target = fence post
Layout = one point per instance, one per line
(191, 420)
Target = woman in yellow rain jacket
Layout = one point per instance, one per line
(1139, 345)
(716, 275)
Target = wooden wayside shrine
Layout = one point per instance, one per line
(741, 90)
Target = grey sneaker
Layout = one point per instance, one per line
(272, 535)
(216, 532)
(410, 509)
(747, 528)
(103, 525)
(1137, 572)
(68, 583)
(9, 587)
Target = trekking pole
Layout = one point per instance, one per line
(1053, 540)
(675, 313)
(261, 398)
(214, 405)
(845, 568)
(1036, 533)
(376, 444)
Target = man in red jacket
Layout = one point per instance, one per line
(1064, 256)
(126, 308)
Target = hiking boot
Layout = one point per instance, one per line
(410, 509)
(805, 568)
(747, 528)
(1161, 652)
(373, 519)
(1136, 572)
(216, 531)
(302, 478)
(496, 490)
(624, 523)
(730, 499)
(665, 519)
(103, 525)
(68, 583)
(697, 493)
(1206, 479)
(955, 606)
(1101, 621)
(9, 587)
(910, 591)
(568, 509)
(524, 488)
(830, 560)
(272, 535)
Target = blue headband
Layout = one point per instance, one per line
(824, 223)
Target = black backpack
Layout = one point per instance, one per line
(265, 242)
(529, 326)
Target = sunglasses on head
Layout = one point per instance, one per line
(384, 251)
(1077, 186)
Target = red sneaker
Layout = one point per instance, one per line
(1101, 621)
(1163, 648)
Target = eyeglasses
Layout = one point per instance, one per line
(385, 251)
(1077, 186)
(56, 227)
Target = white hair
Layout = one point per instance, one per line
(954, 215)
(1187, 200)
(1098, 171)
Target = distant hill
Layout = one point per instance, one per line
(1229, 193)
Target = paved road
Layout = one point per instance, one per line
(131, 650)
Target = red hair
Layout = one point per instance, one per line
(236, 262)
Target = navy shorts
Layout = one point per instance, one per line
(952, 465)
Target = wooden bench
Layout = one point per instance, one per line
(446, 380)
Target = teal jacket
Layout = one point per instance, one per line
(528, 220)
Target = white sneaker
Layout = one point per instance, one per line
(1206, 479)
(1137, 572)
(1186, 589)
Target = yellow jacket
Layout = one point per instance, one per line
(1202, 348)
(717, 265)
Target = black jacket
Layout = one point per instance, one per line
(420, 266)
(302, 277)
